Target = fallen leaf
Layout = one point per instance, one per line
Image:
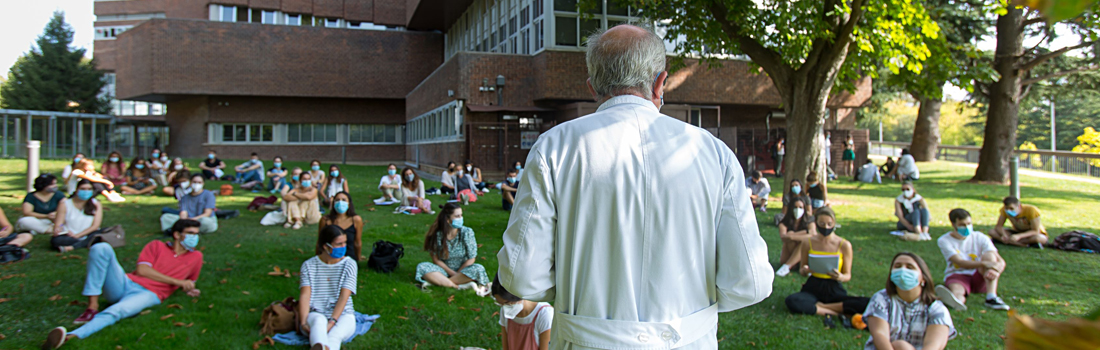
(479, 245)
(77, 303)
(477, 309)
(56, 283)
(969, 319)
(1047, 286)
(1022, 301)
(251, 310)
(301, 251)
(174, 306)
(204, 331)
(118, 347)
(450, 299)
(210, 307)
(179, 324)
(495, 314)
(2, 336)
(403, 317)
(283, 234)
(245, 292)
(286, 273)
(264, 341)
(170, 336)
(55, 297)
(165, 317)
(146, 312)
(223, 281)
(446, 333)
(982, 311)
(370, 209)
(237, 246)
(4, 300)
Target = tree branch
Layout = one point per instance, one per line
(844, 35)
(1034, 80)
(1046, 57)
(1033, 21)
(769, 59)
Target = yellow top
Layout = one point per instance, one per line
(839, 263)
(1022, 221)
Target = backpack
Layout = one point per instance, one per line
(10, 253)
(226, 190)
(279, 317)
(385, 256)
(1080, 241)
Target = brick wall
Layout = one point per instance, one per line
(433, 157)
(388, 12)
(186, 121)
(373, 154)
(243, 109)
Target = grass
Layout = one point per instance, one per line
(1048, 283)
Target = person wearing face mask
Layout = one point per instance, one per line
(114, 170)
(780, 153)
(390, 185)
(179, 185)
(176, 170)
(797, 226)
(250, 173)
(197, 204)
(162, 268)
(335, 183)
(973, 264)
(823, 293)
(887, 168)
(453, 249)
(158, 166)
(317, 174)
(300, 201)
(40, 206)
(139, 179)
(447, 179)
(906, 315)
(67, 172)
(212, 167)
(912, 213)
(328, 282)
(1027, 228)
(100, 185)
(475, 175)
(817, 191)
(77, 219)
(276, 175)
(795, 193)
(508, 190)
(465, 189)
(341, 214)
(412, 190)
(524, 324)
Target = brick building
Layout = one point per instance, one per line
(405, 81)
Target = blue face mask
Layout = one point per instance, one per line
(813, 185)
(278, 165)
(85, 194)
(211, 156)
(392, 172)
(340, 206)
(512, 180)
(334, 173)
(156, 155)
(519, 167)
(456, 223)
(1011, 213)
(190, 241)
(113, 159)
(316, 167)
(77, 159)
(904, 278)
(965, 230)
(796, 189)
(306, 183)
(139, 166)
(295, 177)
(337, 253)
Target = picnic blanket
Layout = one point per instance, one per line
(363, 322)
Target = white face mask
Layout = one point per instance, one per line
(907, 193)
(196, 187)
(185, 184)
(469, 168)
(798, 213)
(164, 159)
(510, 311)
(178, 167)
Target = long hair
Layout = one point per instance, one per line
(790, 190)
(927, 291)
(117, 165)
(89, 205)
(85, 164)
(789, 220)
(43, 181)
(134, 162)
(337, 167)
(435, 242)
(332, 204)
(181, 176)
(326, 236)
(411, 185)
(82, 157)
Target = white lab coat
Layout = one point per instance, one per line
(639, 228)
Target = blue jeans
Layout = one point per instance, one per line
(916, 217)
(249, 176)
(275, 182)
(107, 279)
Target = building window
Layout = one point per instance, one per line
(566, 28)
(244, 133)
(228, 14)
(311, 133)
(263, 17)
(439, 125)
(298, 19)
(110, 33)
(372, 133)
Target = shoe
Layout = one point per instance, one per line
(287, 224)
(949, 298)
(465, 200)
(996, 303)
(317, 346)
(231, 214)
(829, 322)
(486, 190)
(85, 317)
(297, 225)
(763, 209)
(783, 271)
(55, 339)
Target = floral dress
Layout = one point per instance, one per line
(460, 249)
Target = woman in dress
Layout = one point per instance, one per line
(139, 178)
(454, 254)
(114, 169)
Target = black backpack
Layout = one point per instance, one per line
(10, 253)
(385, 256)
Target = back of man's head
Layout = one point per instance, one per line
(624, 60)
(756, 174)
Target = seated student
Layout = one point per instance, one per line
(818, 193)
(162, 268)
(67, 173)
(868, 173)
(390, 185)
(276, 175)
(823, 294)
(794, 194)
(139, 179)
(973, 264)
(198, 204)
(316, 174)
(912, 212)
(524, 324)
(86, 171)
(342, 215)
(796, 227)
(475, 174)
(1027, 229)
(77, 220)
(250, 173)
(888, 167)
(114, 170)
(447, 181)
(179, 185)
(412, 191)
(906, 315)
(519, 174)
(40, 206)
(212, 167)
(509, 187)
(158, 167)
(453, 249)
(8, 237)
(465, 188)
(177, 169)
(906, 169)
(300, 201)
(328, 281)
(759, 190)
(335, 184)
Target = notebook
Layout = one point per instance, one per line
(824, 264)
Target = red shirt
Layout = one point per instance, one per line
(161, 257)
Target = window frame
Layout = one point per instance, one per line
(312, 141)
(217, 133)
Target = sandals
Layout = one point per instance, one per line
(297, 225)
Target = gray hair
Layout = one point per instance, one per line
(625, 65)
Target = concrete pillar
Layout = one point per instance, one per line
(33, 148)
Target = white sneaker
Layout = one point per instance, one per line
(486, 190)
(949, 298)
(115, 198)
(465, 200)
(783, 271)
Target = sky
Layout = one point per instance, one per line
(24, 21)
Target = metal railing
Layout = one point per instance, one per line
(1062, 162)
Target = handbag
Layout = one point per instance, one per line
(385, 256)
(114, 235)
(279, 317)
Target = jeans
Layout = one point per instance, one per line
(107, 279)
(318, 323)
(275, 182)
(915, 218)
(249, 176)
(207, 224)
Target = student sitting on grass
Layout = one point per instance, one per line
(139, 179)
(412, 191)
(794, 193)
(158, 167)
(759, 190)
(475, 175)
(973, 264)
(868, 173)
(524, 324)
(317, 174)
(250, 173)
(212, 167)
(508, 189)
(77, 220)
(300, 200)
(390, 185)
(179, 185)
(100, 185)
(447, 179)
(906, 315)
(67, 173)
(1027, 229)
(342, 215)
(328, 280)
(162, 267)
(198, 204)
(465, 189)
(335, 183)
(113, 169)
(912, 213)
(823, 294)
(453, 249)
(178, 169)
(817, 192)
(796, 227)
(40, 206)
(887, 167)
(906, 168)
(276, 176)
(9, 237)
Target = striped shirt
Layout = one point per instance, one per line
(326, 281)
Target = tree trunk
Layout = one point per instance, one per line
(926, 132)
(1004, 97)
(806, 113)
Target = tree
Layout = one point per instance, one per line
(1016, 68)
(55, 76)
(806, 47)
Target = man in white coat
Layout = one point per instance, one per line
(637, 225)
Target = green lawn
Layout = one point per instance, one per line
(235, 284)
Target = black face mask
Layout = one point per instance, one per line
(825, 231)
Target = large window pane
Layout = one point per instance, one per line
(239, 133)
(228, 13)
(380, 133)
(616, 9)
(318, 133)
(391, 133)
(254, 133)
(589, 26)
(268, 133)
(330, 133)
(566, 28)
(227, 133)
(242, 14)
(292, 132)
(565, 5)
